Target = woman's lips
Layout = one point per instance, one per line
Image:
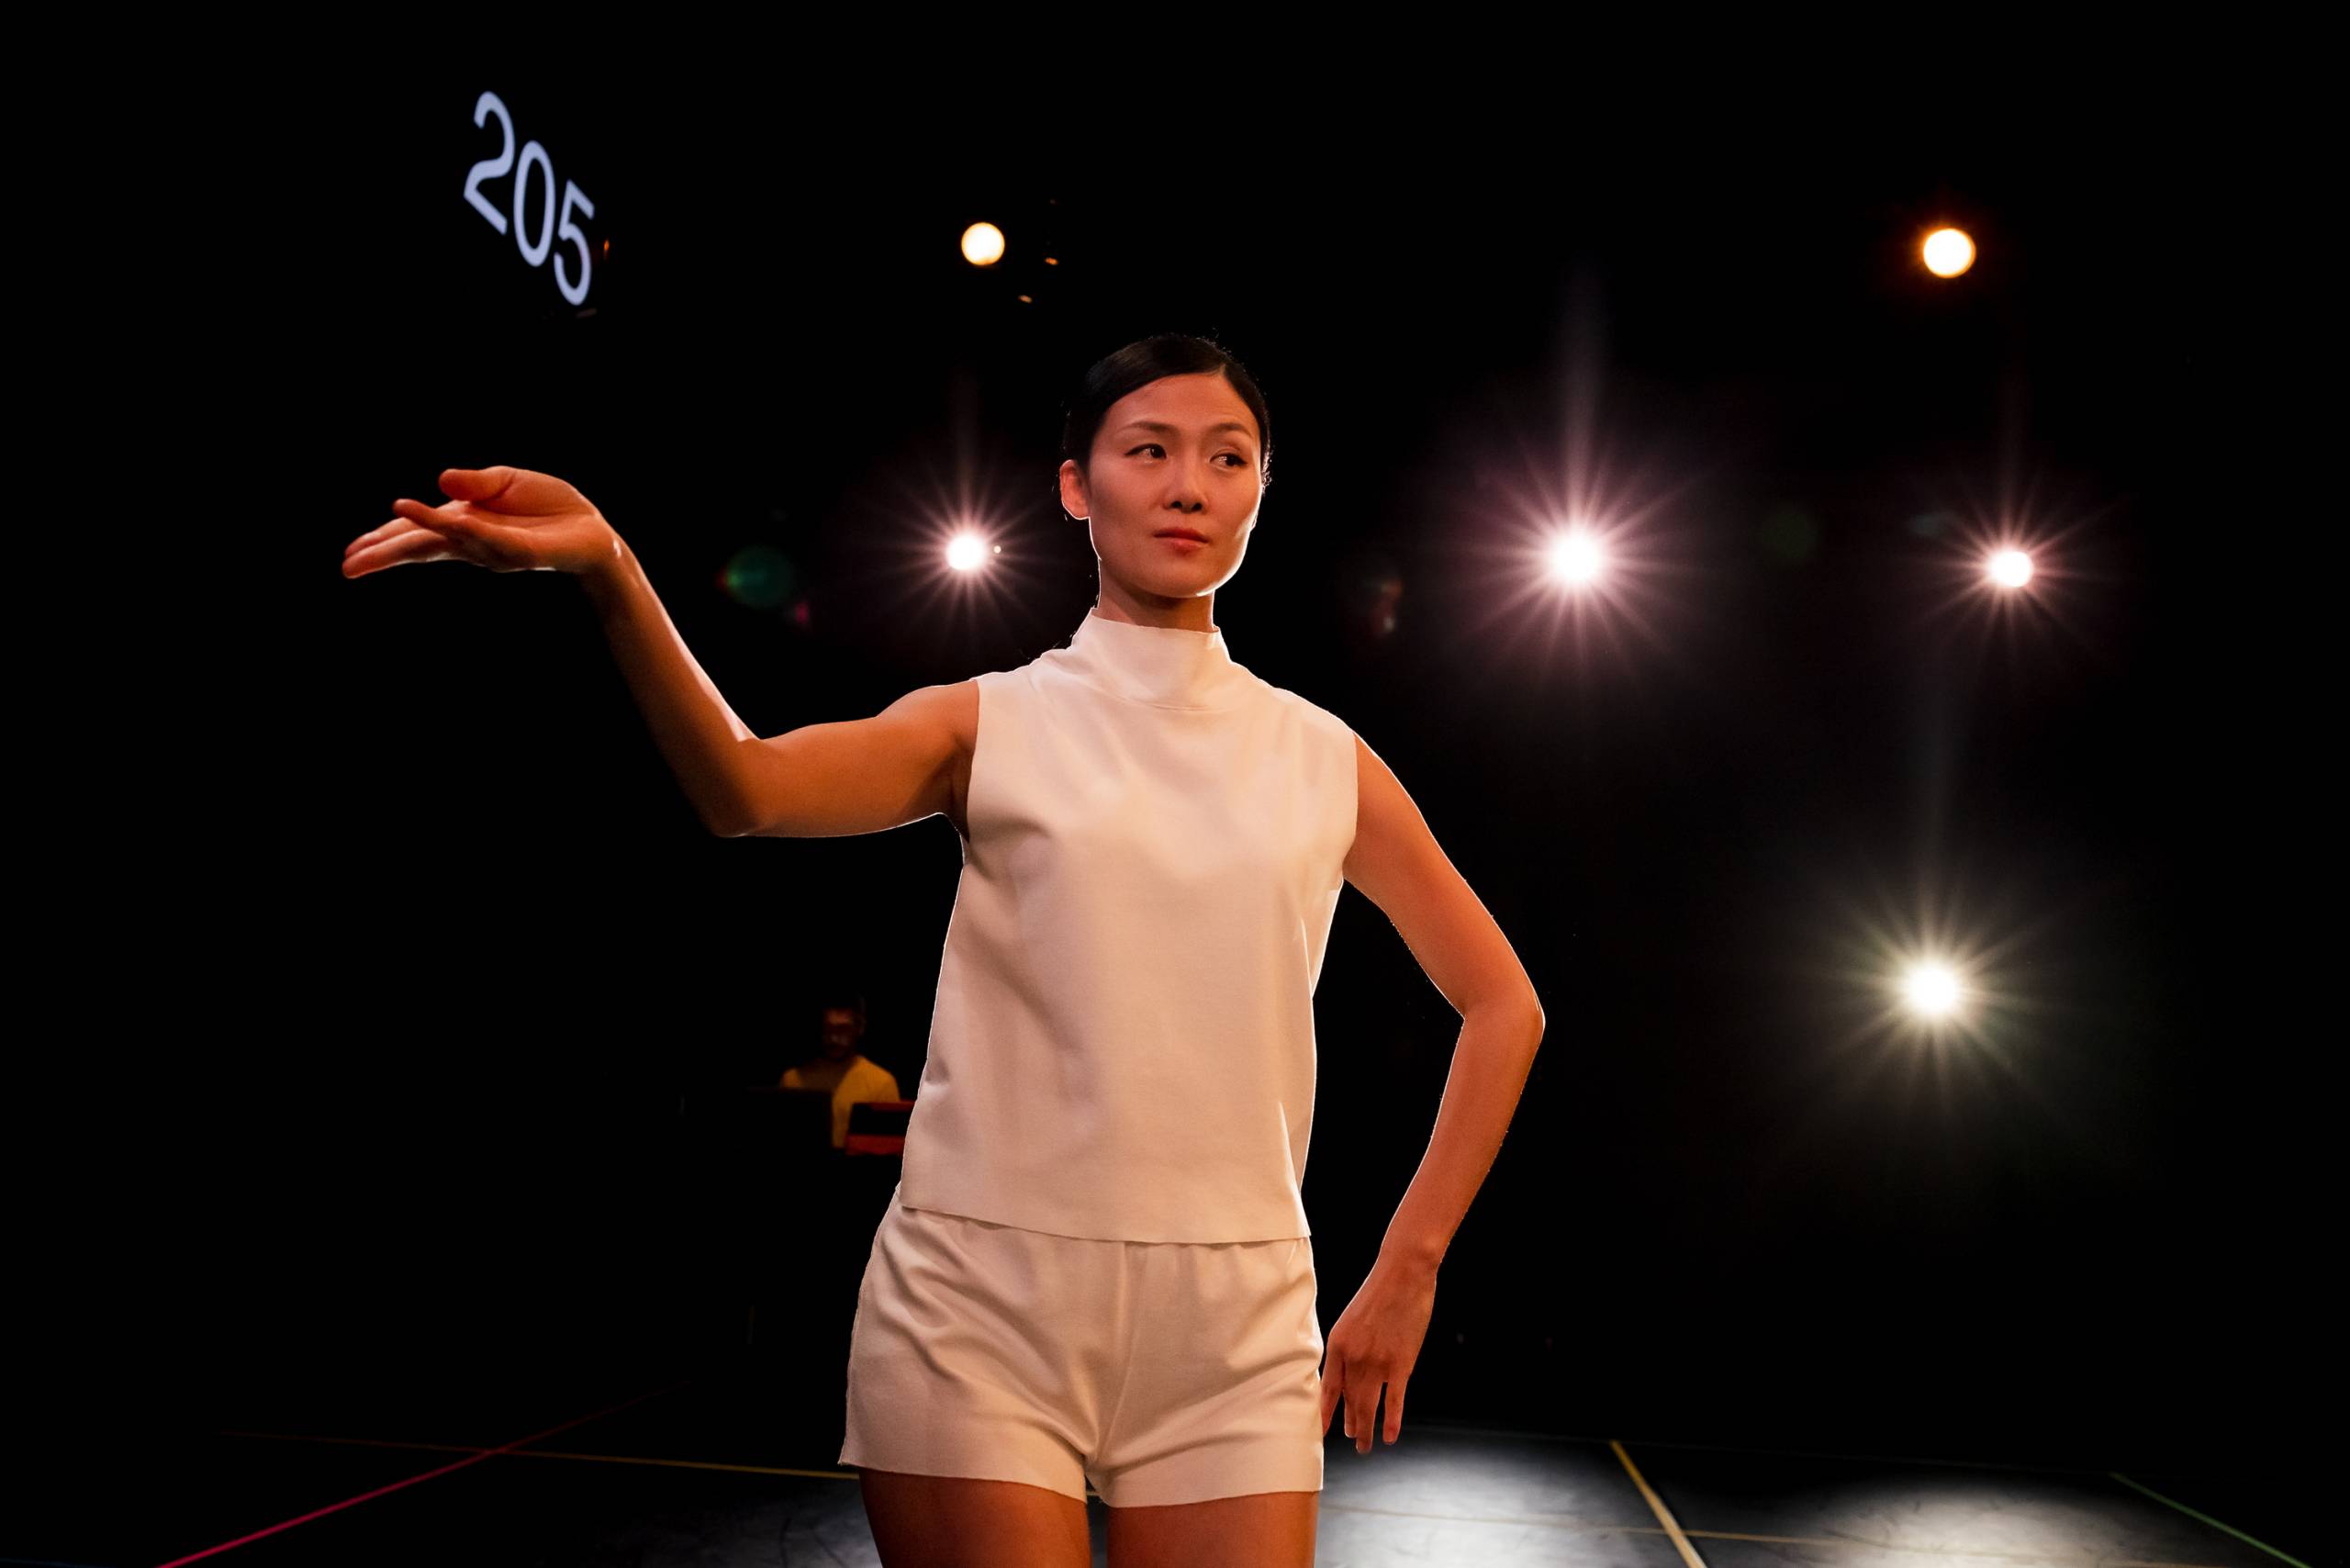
(1183, 541)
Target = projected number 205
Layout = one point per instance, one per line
(550, 226)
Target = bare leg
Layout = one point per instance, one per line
(1266, 1529)
(954, 1521)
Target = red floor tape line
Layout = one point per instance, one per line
(397, 1485)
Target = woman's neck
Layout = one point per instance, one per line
(1179, 614)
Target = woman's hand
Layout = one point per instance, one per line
(1377, 1340)
(509, 519)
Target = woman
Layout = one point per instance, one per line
(1096, 1264)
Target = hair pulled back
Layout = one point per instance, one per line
(1137, 365)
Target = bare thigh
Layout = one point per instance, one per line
(1267, 1529)
(954, 1521)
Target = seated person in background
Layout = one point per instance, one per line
(840, 1069)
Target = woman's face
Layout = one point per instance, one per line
(1179, 453)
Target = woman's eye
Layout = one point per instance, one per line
(1238, 460)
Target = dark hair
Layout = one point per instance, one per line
(1137, 365)
(840, 996)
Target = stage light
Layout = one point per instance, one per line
(2015, 568)
(1947, 252)
(1577, 559)
(1930, 990)
(968, 551)
(1575, 548)
(982, 244)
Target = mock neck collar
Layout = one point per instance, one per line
(1166, 665)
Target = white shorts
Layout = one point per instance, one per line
(1163, 1372)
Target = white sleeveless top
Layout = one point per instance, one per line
(1123, 1043)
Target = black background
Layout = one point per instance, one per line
(404, 946)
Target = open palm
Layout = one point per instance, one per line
(508, 520)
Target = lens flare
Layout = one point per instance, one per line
(1577, 559)
(943, 547)
(2015, 571)
(1567, 551)
(1931, 990)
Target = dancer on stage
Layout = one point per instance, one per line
(1097, 1265)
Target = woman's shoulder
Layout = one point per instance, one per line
(951, 708)
(1313, 713)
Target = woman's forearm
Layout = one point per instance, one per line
(697, 732)
(1490, 1065)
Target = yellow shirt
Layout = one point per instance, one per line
(862, 1081)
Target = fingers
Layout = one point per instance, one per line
(452, 521)
(395, 544)
(418, 534)
(1363, 1411)
(392, 530)
(477, 484)
(512, 492)
(1361, 1397)
(1360, 1386)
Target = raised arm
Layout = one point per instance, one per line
(698, 733)
(907, 762)
(817, 781)
(517, 519)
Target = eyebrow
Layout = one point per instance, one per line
(1170, 430)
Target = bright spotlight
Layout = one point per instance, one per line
(2009, 568)
(1931, 990)
(968, 552)
(1948, 252)
(1575, 559)
(982, 244)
